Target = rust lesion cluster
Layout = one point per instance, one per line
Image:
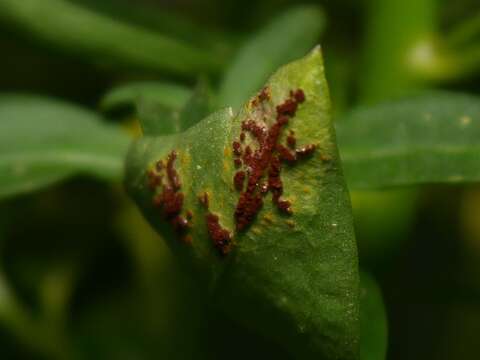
(259, 168)
(258, 156)
(164, 181)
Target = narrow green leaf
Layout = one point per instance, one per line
(43, 141)
(432, 138)
(158, 118)
(127, 96)
(291, 277)
(198, 106)
(164, 20)
(373, 320)
(95, 37)
(288, 37)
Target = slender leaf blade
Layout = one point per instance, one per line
(198, 106)
(289, 36)
(156, 117)
(43, 141)
(169, 22)
(430, 138)
(79, 31)
(128, 95)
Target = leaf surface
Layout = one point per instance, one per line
(291, 277)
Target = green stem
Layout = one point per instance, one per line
(100, 39)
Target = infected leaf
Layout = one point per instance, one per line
(282, 261)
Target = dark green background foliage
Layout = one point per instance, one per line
(84, 276)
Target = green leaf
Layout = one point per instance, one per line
(157, 118)
(373, 320)
(198, 106)
(95, 37)
(289, 36)
(291, 277)
(432, 138)
(128, 96)
(43, 141)
(161, 19)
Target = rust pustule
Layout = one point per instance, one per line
(221, 238)
(165, 182)
(264, 95)
(299, 95)
(237, 148)
(237, 162)
(291, 140)
(172, 174)
(306, 150)
(263, 164)
(239, 179)
(285, 154)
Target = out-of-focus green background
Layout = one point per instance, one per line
(97, 283)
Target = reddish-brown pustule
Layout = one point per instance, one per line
(306, 150)
(237, 162)
(172, 174)
(265, 161)
(221, 238)
(264, 95)
(291, 140)
(237, 148)
(239, 179)
(169, 199)
(285, 154)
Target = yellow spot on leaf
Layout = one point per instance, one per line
(185, 159)
(256, 231)
(325, 158)
(268, 217)
(226, 166)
